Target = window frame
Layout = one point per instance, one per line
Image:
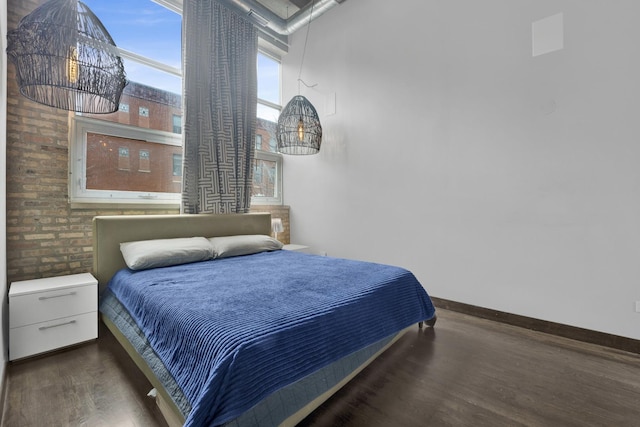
(78, 192)
(268, 155)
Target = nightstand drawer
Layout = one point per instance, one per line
(28, 309)
(33, 339)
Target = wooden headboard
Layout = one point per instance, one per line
(110, 231)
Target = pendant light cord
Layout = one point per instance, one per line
(304, 50)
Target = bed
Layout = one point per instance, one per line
(261, 338)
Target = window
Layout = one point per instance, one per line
(266, 176)
(177, 124)
(130, 156)
(177, 165)
(149, 119)
(144, 162)
(123, 156)
(125, 165)
(267, 168)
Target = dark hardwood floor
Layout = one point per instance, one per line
(93, 385)
(465, 372)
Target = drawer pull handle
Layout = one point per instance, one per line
(57, 296)
(42, 328)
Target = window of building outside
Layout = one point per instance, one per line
(145, 165)
(135, 154)
(177, 165)
(177, 123)
(123, 157)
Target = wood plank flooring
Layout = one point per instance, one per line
(473, 372)
(93, 385)
(465, 372)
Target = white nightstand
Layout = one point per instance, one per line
(46, 314)
(299, 248)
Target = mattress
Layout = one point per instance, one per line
(230, 334)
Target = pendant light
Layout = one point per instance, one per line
(65, 58)
(298, 130)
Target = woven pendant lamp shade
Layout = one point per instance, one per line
(65, 58)
(299, 130)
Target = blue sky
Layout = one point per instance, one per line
(141, 26)
(146, 28)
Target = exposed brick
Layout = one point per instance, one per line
(20, 230)
(25, 262)
(43, 269)
(49, 260)
(22, 195)
(53, 244)
(70, 235)
(47, 236)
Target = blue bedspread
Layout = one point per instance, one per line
(231, 331)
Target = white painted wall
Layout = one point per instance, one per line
(500, 179)
(4, 309)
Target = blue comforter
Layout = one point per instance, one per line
(231, 331)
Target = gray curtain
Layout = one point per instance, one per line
(220, 97)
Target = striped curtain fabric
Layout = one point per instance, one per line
(220, 97)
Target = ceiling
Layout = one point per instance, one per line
(284, 8)
(277, 19)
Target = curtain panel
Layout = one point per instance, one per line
(220, 52)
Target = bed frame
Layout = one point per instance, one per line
(110, 231)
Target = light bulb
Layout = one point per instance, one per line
(72, 65)
(300, 129)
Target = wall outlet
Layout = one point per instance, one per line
(637, 306)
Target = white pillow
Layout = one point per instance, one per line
(146, 254)
(229, 246)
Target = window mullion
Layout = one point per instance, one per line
(270, 104)
(150, 62)
(173, 5)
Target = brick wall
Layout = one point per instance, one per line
(45, 236)
(277, 212)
